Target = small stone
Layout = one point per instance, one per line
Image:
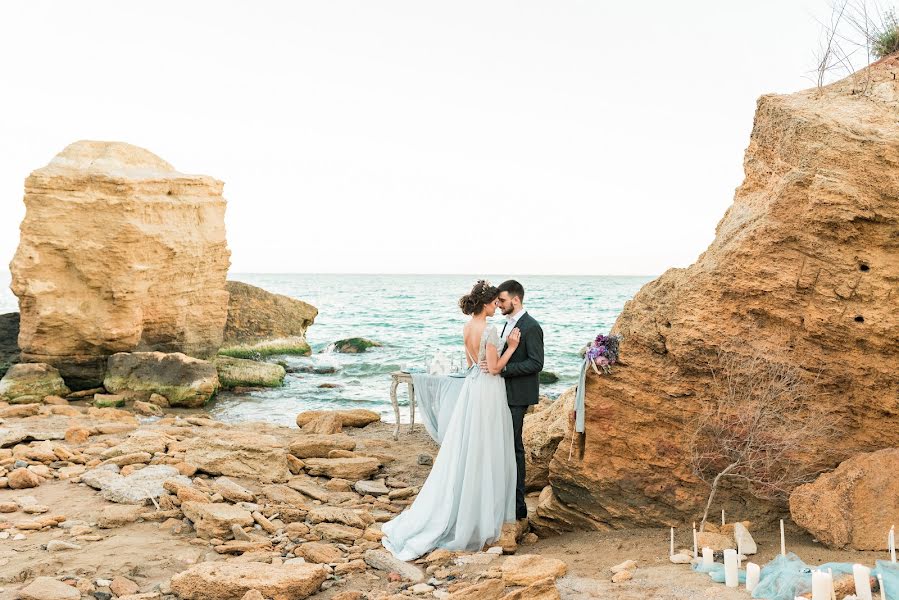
(103, 582)
(422, 588)
(8, 507)
(47, 588)
(495, 550)
(375, 488)
(21, 478)
(253, 595)
(622, 576)
(18, 537)
(35, 509)
(59, 545)
(102, 595)
(628, 565)
(680, 559)
(425, 459)
(122, 586)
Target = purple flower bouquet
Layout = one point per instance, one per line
(603, 353)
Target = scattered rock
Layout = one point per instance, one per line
(354, 345)
(235, 372)
(47, 588)
(60, 545)
(425, 460)
(31, 379)
(214, 520)
(544, 589)
(337, 533)
(119, 515)
(239, 454)
(318, 445)
(218, 581)
(148, 409)
(526, 569)
(327, 424)
(622, 576)
(358, 417)
(317, 552)
(680, 559)
(375, 488)
(22, 478)
(491, 589)
(382, 560)
(628, 565)
(853, 505)
(343, 468)
(109, 400)
(232, 491)
(183, 380)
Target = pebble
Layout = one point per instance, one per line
(422, 588)
(4, 535)
(35, 509)
(622, 576)
(627, 565)
(102, 595)
(20, 464)
(18, 537)
(495, 550)
(103, 582)
(425, 459)
(59, 545)
(679, 559)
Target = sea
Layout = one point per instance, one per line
(414, 317)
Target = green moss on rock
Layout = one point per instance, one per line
(548, 377)
(296, 346)
(354, 345)
(238, 372)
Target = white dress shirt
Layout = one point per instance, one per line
(511, 321)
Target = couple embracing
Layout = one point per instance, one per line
(477, 482)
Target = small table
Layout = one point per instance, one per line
(399, 377)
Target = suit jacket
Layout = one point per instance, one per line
(522, 372)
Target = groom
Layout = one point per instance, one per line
(521, 373)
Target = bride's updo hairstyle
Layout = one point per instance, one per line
(481, 294)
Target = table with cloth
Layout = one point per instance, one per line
(435, 395)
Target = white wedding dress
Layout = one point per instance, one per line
(470, 491)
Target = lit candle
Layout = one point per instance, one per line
(695, 546)
(883, 590)
(821, 585)
(731, 573)
(722, 516)
(862, 576)
(753, 572)
(672, 543)
(892, 543)
(783, 543)
(708, 557)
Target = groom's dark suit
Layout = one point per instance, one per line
(522, 390)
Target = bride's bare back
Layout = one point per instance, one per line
(472, 334)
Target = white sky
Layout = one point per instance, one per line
(548, 137)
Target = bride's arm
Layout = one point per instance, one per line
(495, 363)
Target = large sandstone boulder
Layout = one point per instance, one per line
(30, 382)
(542, 431)
(235, 372)
(261, 323)
(239, 454)
(184, 381)
(854, 505)
(802, 271)
(230, 581)
(119, 252)
(9, 341)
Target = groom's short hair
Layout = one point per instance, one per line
(513, 288)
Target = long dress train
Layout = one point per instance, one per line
(470, 491)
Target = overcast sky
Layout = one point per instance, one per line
(366, 136)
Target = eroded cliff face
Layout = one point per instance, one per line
(804, 270)
(119, 252)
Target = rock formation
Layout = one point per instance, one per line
(853, 506)
(261, 323)
(182, 380)
(804, 270)
(542, 431)
(119, 252)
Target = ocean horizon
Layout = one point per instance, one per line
(413, 316)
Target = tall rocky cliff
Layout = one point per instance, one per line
(804, 270)
(119, 252)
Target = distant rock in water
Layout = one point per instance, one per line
(9, 341)
(803, 271)
(548, 377)
(354, 345)
(119, 252)
(261, 323)
(239, 372)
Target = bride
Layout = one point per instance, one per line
(470, 492)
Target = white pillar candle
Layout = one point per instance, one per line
(783, 543)
(708, 557)
(671, 553)
(821, 585)
(753, 572)
(892, 543)
(833, 592)
(722, 516)
(883, 590)
(695, 545)
(862, 576)
(731, 573)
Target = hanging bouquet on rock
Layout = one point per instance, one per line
(602, 353)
